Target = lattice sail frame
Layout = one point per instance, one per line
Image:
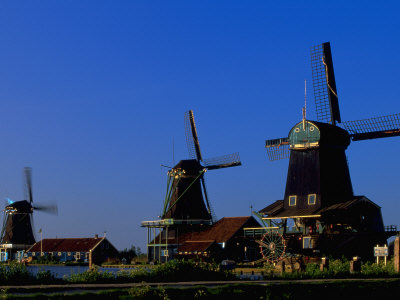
(372, 128)
(224, 161)
(277, 148)
(325, 94)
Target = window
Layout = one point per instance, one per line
(33, 253)
(297, 130)
(307, 243)
(292, 200)
(69, 253)
(312, 199)
(78, 255)
(59, 253)
(312, 128)
(87, 255)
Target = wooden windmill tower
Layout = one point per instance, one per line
(186, 205)
(326, 217)
(17, 231)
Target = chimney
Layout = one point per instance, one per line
(96, 236)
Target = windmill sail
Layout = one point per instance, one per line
(325, 94)
(277, 148)
(378, 127)
(225, 161)
(209, 207)
(28, 184)
(192, 139)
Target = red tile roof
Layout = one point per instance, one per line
(66, 245)
(190, 246)
(221, 231)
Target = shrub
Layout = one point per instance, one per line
(189, 270)
(45, 276)
(15, 272)
(373, 269)
(142, 291)
(91, 276)
(134, 275)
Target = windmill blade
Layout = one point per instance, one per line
(191, 136)
(47, 208)
(277, 148)
(225, 161)
(32, 220)
(28, 184)
(325, 94)
(373, 128)
(209, 207)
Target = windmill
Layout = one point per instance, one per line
(17, 232)
(186, 187)
(187, 208)
(326, 217)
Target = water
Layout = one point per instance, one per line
(61, 271)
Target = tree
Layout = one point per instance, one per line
(129, 254)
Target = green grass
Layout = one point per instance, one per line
(355, 290)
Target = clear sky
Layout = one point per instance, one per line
(93, 94)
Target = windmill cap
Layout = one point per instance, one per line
(318, 134)
(190, 166)
(21, 206)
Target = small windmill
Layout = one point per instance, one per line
(17, 231)
(186, 187)
(319, 195)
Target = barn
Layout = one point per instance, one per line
(94, 250)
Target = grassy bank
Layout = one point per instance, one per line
(354, 290)
(178, 270)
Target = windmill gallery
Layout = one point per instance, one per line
(318, 216)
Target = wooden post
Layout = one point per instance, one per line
(148, 241)
(397, 254)
(283, 267)
(355, 265)
(324, 264)
(385, 256)
(90, 259)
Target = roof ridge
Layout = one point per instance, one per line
(199, 241)
(72, 238)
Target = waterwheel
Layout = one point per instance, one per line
(272, 246)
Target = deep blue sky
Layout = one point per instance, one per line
(92, 94)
